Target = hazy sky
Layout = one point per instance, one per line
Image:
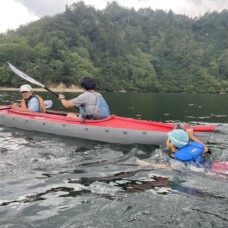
(16, 12)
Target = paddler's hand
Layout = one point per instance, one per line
(64, 102)
(61, 96)
(16, 106)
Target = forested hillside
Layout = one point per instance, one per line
(122, 48)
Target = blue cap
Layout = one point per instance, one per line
(179, 138)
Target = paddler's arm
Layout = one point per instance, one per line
(18, 107)
(195, 139)
(65, 103)
(160, 166)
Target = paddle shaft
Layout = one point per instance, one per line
(56, 94)
(6, 107)
(48, 104)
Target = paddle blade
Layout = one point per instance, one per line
(24, 76)
(48, 103)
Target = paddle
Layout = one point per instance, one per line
(29, 79)
(5, 107)
(47, 103)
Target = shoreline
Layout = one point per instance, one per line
(78, 90)
(60, 90)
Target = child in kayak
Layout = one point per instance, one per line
(90, 103)
(29, 102)
(187, 148)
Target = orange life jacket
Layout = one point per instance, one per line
(42, 108)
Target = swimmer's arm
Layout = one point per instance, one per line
(195, 139)
(161, 166)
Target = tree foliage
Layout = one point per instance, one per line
(122, 48)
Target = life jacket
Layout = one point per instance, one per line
(191, 152)
(101, 110)
(25, 102)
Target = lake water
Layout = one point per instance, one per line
(53, 181)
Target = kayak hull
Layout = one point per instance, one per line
(114, 129)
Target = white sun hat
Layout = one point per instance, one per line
(25, 88)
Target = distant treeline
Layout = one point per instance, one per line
(122, 48)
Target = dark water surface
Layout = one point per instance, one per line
(53, 181)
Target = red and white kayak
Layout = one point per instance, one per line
(114, 129)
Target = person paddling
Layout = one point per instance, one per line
(90, 103)
(29, 102)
